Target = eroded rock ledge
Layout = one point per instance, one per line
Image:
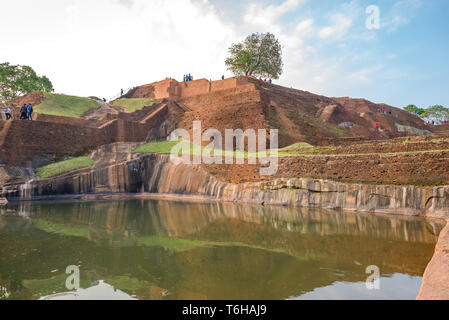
(155, 174)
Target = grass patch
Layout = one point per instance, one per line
(162, 147)
(134, 104)
(296, 147)
(60, 228)
(165, 147)
(383, 154)
(296, 150)
(174, 244)
(126, 283)
(180, 245)
(59, 168)
(46, 287)
(65, 106)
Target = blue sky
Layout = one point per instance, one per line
(97, 47)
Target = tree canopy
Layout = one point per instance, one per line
(437, 112)
(414, 109)
(17, 80)
(260, 54)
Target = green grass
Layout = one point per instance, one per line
(174, 244)
(60, 228)
(134, 104)
(66, 106)
(126, 283)
(383, 154)
(296, 150)
(297, 146)
(59, 168)
(46, 287)
(165, 147)
(180, 245)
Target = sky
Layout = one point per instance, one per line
(330, 47)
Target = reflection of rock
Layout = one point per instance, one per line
(101, 291)
(265, 252)
(125, 219)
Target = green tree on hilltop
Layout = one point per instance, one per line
(17, 80)
(414, 109)
(437, 112)
(260, 54)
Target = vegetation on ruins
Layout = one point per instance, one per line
(260, 54)
(59, 168)
(131, 105)
(17, 80)
(65, 106)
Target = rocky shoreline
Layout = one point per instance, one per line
(154, 175)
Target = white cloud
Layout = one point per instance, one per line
(366, 74)
(259, 14)
(400, 14)
(340, 26)
(304, 27)
(97, 47)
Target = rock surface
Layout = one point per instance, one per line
(435, 285)
(123, 172)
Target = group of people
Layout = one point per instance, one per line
(383, 110)
(188, 77)
(26, 112)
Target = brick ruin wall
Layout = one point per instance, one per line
(51, 138)
(35, 143)
(178, 90)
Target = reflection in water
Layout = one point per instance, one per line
(173, 250)
(100, 291)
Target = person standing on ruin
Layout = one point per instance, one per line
(222, 77)
(30, 112)
(8, 113)
(23, 112)
(377, 126)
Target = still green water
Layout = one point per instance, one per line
(151, 249)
